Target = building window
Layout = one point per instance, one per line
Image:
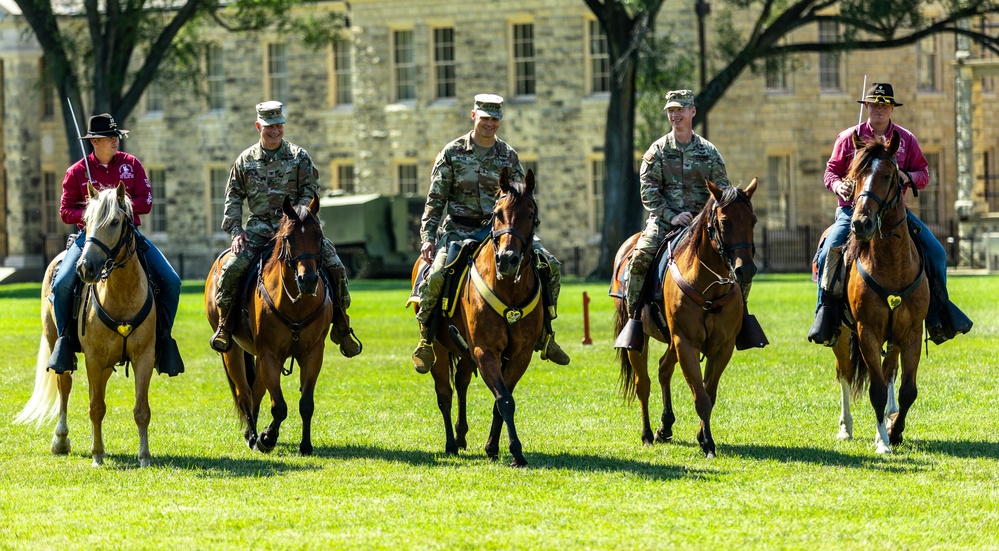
(523, 59)
(779, 215)
(926, 65)
(777, 73)
(409, 182)
(600, 73)
(47, 91)
(216, 77)
(598, 173)
(218, 178)
(829, 65)
(157, 219)
(154, 97)
(343, 178)
(404, 58)
(277, 73)
(51, 195)
(444, 70)
(344, 93)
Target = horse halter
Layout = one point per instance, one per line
(125, 239)
(525, 241)
(889, 203)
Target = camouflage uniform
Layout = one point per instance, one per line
(672, 182)
(263, 180)
(467, 188)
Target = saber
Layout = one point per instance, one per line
(90, 180)
(860, 117)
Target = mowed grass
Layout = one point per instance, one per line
(379, 478)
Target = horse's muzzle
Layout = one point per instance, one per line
(87, 269)
(863, 227)
(745, 271)
(507, 263)
(307, 282)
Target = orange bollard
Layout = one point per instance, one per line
(586, 319)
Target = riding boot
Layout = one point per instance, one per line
(550, 350)
(221, 341)
(423, 356)
(341, 334)
(168, 359)
(63, 357)
(829, 315)
(944, 320)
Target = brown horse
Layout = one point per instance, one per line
(887, 295)
(117, 324)
(702, 307)
(288, 315)
(498, 318)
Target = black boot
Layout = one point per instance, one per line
(827, 322)
(63, 358)
(944, 320)
(168, 358)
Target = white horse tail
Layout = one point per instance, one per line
(44, 403)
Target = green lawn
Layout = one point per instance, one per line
(379, 478)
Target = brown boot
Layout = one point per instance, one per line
(341, 334)
(553, 352)
(222, 341)
(424, 357)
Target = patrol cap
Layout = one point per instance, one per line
(269, 113)
(679, 98)
(880, 92)
(489, 105)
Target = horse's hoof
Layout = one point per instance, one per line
(895, 439)
(518, 462)
(882, 449)
(145, 462)
(260, 446)
(98, 461)
(844, 434)
(305, 449)
(60, 446)
(451, 449)
(251, 441)
(709, 455)
(663, 437)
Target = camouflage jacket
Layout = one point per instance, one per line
(465, 186)
(263, 185)
(673, 179)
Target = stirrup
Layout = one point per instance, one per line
(420, 362)
(221, 340)
(349, 344)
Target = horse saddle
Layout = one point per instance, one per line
(459, 257)
(656, 277)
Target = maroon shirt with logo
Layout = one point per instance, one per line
(123, 168)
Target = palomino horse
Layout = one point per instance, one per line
(289, 314)
(498, 317)
(117, 325)
(886, 292)
(702, 308)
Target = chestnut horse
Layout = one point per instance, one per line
(886, 292)
(289, 315)
(117, 325)
(702, 306)
(499, 318)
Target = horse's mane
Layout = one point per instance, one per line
(872, 150)
(695, 235)
(506, 199)
(101, 210)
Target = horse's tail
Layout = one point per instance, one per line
(627, 378)
(44, 403)
(860, 375)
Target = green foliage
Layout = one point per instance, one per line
(379, 478)
(663, 66)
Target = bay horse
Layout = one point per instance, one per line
(289, 314)
(498, 319)
(887, 295)
(701, 309)
(117, 325)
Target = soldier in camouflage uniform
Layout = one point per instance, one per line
(465, 180)
(672, 185)
(262, 176)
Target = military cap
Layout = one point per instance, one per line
(269, 113)
(880, 92)
(103, 126)
(489, 105)
(679, 98)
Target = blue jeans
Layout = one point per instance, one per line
(161, 272)
(936, 256)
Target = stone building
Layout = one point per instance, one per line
(375, 108)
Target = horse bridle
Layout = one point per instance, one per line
(714, 232)
(887, 204)
(292, 262)
(525, 241)
(125, 239)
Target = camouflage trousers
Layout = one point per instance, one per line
(235, 267)
(430, 290)
(641, 258)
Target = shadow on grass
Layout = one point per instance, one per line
(568, 461)
(239, 465)
(957, 448)
(896, 462)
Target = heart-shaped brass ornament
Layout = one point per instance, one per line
(124, 329)
(894, 301)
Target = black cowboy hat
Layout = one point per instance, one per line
(880, 92)
(103, 126)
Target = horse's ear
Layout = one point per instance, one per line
(504, 179)
(121, 192)
(751, 188)
(716, 191)
(288, 209)
(893, 143)
(529, 183)
(858, 142)
(314, 204)
(91, 192)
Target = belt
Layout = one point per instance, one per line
(468, 221)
